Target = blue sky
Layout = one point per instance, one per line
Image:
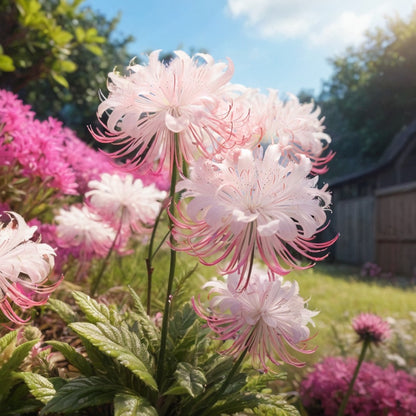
(279, 44)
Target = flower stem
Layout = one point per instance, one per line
(168, 300)
(151, 254)
(344, 402)
(104, 264)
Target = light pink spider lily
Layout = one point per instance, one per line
(297, 128)
(25, 265)
(125, 201)
(268, 318)
(81, 228)
(154, 102)
(251, 204)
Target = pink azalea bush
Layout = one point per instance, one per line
(377, 391)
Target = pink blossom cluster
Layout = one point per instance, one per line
(50, 151)
(377, 390)
(248, 189)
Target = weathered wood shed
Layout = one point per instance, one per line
(374, 210)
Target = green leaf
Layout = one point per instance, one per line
(59, 79)
(94, 311)
(63, 310)
(80, 393)
(109, 340)
(67, 66)
(95, 49)
(7, 342)
(19, 354)
(74, 357)
(146, 326)
(189, 379)
(80, 34)
(41, 388)
(130, 405)
(6, 63)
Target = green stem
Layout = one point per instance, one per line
(104, 264)
(149, 258)
(168, 300)
(344, 402)
(217, 395)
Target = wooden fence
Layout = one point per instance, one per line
(396, 229)
(379, 228)
(354, 221)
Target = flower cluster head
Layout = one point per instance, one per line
(79, 227)
(25, 265)
(377, 390)
(248, 204)
(371, 328)
(125, 202)
(267, 318)
(145, 109)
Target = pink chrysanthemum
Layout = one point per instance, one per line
(371, 328)
(267, 318)
(25, 265)
(251, 203)
(125, 202)
(83, 229)
(146, 108)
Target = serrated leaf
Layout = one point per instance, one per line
(7, 341)
(19, 354)
(181, 322)
(130, 405)
(80, 393)
(189, 380)
(94, 334)
(74, 357)
(94, 311)
(63, 310)
(41, 388)
(147, 327)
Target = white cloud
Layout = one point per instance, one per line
(322, 22)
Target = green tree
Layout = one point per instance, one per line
(371, 94)
(56, 56)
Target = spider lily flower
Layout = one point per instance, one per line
(25, 264)
(251, 203)
(82, 228)
(146, 108)
(297, 128)
(268, 318)
(125, 201)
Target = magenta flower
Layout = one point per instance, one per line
(146, 108)
(25, 265)
(267, 318)
(83, 229)
(371, 328)
(377, 391)
(125, 202)
(251, 203)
